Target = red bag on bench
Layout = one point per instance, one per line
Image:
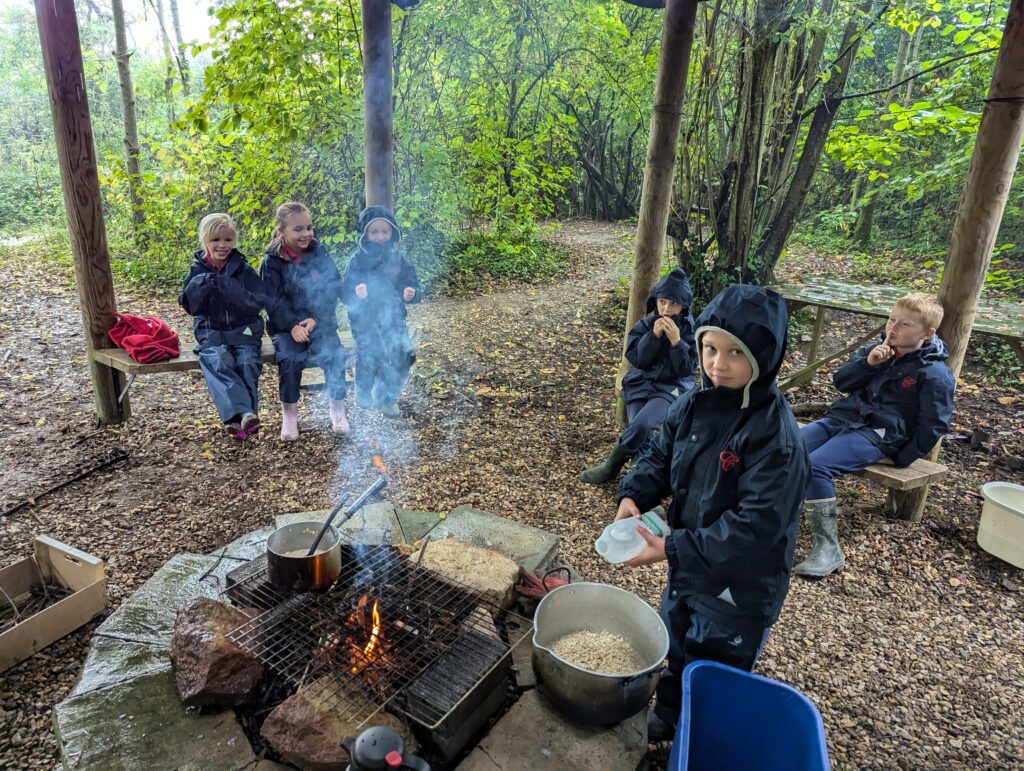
(147, 340)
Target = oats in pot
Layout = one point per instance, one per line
(599, 651)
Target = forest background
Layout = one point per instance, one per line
(510, 114)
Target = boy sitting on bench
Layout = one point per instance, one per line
(900, 403)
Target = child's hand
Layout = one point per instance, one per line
(408, 294)
(308, 324)
(627, 508)
(672, 332)
(300, 334)
(659, 327)
(880, 353)
(653, 552)
(361, 291)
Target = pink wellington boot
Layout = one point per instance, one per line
(289, 422)
(339, 420)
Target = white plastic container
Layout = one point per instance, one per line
(1001, 530)
(620, 541)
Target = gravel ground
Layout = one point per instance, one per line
(913, 654)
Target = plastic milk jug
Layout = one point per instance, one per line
(620, 541)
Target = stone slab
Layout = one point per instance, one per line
(528, 546)
(140, 724)
(522, 660)
(373, 516)
(533, 735)
(111, 661)
(148, 615)
(416, 524)
(248, 547)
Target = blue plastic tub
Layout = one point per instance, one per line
(733, 720)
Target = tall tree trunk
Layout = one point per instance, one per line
(168, 64)
(131, 129)
(76, 157)
(182, 60)
(996, 150)
(899, 67)
(914, 48)
(669, 90)
(778, 230)
(377, 103)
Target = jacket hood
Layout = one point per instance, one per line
(675, 287)
(371, 213)
(757, 319)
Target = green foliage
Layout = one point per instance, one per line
(508, 251)
(994, 361)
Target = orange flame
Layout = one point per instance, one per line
(379, 464)
(374, 635)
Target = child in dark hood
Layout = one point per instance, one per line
(660, 347)
(303, 287)
(731, 458)
(225, 296)
(379, 282)
(900, 402)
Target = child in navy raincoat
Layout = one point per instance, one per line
(303, 288)
(900, 402)
(661, 350)
(379, 282)
(731, 457)
(225, 296)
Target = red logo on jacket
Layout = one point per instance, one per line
(909, 381)
(729, 460)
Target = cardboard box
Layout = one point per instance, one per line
(55, 564)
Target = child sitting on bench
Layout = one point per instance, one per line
(225, 296)
(900, 402)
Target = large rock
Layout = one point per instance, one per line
(488, 572)
(306, 729)
(209, 668)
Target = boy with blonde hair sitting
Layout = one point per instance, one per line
(899, 403)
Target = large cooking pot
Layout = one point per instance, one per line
(593, 697)
(291, 570)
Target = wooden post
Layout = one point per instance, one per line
(76, 156)
(669, 90)
(377, 106)
(993, 162)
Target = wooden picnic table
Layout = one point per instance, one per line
(995, 317)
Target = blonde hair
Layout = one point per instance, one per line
(928, 309)
(211, 224)
(284, 211)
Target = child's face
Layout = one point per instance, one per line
(378, 232)
(906, 331)
(668, 308)
(723, 361)
(221, 243)
(298, 231)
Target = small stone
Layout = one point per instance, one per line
(16, 740)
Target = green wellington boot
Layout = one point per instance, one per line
(826, 557)
(606, 471)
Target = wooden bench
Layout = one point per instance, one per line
(118, 359)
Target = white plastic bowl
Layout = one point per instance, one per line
(1001, 530)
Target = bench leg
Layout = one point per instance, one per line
(907, 504)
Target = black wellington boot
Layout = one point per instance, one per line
(607, 470)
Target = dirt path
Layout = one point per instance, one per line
(914, 654)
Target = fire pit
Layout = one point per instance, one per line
(388, 634)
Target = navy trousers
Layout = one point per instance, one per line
(835, 450)
(232, 374)
(643, 417)
(385, 357)
(323, 350)
(694, 637)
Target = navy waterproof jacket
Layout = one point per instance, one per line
(660, 369)
(909, 398)
(736, 468)
(226, 303)
(386, 273)
(307, 289)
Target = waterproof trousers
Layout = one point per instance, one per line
(232, 374)
(323, 350)
(384, 359)
(835, 449)
(643, 417)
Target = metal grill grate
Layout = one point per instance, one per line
(437, 639)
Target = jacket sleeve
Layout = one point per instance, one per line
(278, 304)
(856, 373)
(770, 494)
(349, 281)
(245, 295)
(683, 357)
(642, 347)
(408, 278)
(648, 483)
(934, 415)
(199, 292)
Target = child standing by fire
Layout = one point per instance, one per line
(303, 288)
(379, 282)
(900, 402)
(225, 296)
(663, 357)
(731, 457)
